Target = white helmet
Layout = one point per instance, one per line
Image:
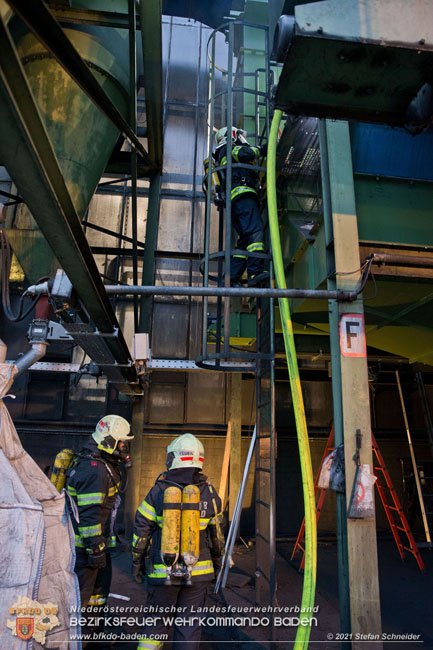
(185, 451)
(110, 430)
(237, 134)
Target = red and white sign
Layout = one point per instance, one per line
(352, 335)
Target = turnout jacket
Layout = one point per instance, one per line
(244, 180)
(93, 484)
(148, 524)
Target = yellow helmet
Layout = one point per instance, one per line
(185, 451)
(110, 430)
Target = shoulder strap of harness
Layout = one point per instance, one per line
(217, 519)
(77, 458)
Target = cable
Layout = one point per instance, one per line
(309, 585)
(375, 289)
(367, 265)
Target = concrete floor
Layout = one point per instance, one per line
(406, 600)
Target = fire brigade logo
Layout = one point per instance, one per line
(33, 620)
(25, 628)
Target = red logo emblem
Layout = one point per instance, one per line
(25, 628)
(101, 424)
(94, 463)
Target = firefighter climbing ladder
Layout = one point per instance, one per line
(393, 510)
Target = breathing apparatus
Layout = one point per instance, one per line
(180, 539)
(112, 435)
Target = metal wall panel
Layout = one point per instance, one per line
(385, 151)
(174, 226)
(169, 331)
(166, 403)
(206, 399)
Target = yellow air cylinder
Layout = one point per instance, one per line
(190, 528)
(61, 464)
(170, 528)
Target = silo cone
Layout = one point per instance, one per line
(82, 137)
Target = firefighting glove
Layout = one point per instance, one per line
(137, 559)
(97, 560)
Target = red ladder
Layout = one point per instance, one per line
(397, 508)
(380, 472)
(298, 546)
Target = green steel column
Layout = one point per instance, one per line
(361, 533)
(343, 568)
(133, 496)
(133, 124)
(150, 14)
(151, 240)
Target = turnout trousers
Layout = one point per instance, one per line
(181, 599)
(94, 590)
(247, 222)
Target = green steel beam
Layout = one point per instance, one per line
(133, 122)
(145, 321)
(342, 239)
(150, 13)
(120, 165)
(399, 315)
(337, 403)
(396, 211)
(27, 153)
(40, 21)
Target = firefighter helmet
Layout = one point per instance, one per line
(237, 135)
(110, 430)
(185, 451)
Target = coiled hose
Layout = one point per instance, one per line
(309, 586)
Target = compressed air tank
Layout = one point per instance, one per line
(190, 527)
(170, 535)
(61, 464)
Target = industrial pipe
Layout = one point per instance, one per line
(402, 260)
(342, 296)
(36, 352)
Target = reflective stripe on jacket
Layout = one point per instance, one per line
(243, 179)
(148, 522)
(95, 491)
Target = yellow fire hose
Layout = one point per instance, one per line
(309, 586)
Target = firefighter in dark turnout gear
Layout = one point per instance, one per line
(245, 210)
(93, 481)
(185, 457)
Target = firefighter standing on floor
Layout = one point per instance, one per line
(93, 482)
(245, 209)
(185, 457)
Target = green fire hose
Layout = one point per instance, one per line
(309, 586)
